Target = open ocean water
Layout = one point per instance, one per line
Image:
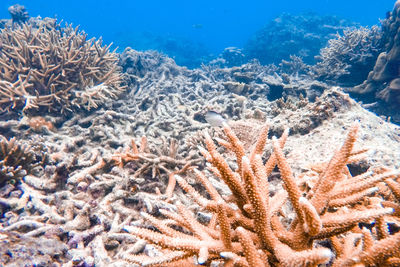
(204, 26)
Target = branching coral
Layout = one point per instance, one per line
(383, 80)
(251, 228)
(16, 160)
(55, 69)
(162, 161)
(348, 58)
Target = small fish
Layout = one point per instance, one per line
(197, 26)
(214, 119)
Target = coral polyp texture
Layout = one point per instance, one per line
(257, 227)
(55, 69)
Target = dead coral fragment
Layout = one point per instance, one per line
(249, 227)
(55, 68)
(164, 159)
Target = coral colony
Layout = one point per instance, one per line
(128, 159)
(56, 68)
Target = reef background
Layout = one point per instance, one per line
(191, 32)
(82, 160)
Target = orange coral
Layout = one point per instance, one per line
(250, 229)
(38, 123)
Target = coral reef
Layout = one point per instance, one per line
(383, 81)
(87, 187)
(55, 69)
(231, 56)
(301, 35)
(177, 112)
(348, 58)
(95, 182)
(73, 199)
(16, 160)
(250, 228)
(18, 13)
(184, 51)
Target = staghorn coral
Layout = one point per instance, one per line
(16, 160)
(252, 228)
(183, 95)
(55, 69)
(89, 198)
(348, 58)
(116, 196)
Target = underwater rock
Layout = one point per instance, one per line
(381, 83)
(18, 250)
(301, 35)
(395, 84)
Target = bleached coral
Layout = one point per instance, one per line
(348, 58)
(55, 68)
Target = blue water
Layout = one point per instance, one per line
(212, 24)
